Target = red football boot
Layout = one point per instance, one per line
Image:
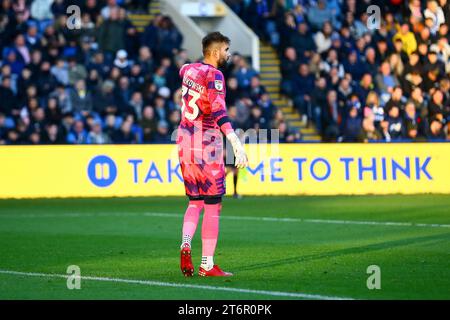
(214, 272)
(186, 262)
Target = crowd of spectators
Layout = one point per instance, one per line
(356, 78)
(97, 80)
(250, 106)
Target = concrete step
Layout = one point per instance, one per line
(268, 55)
(270, 74)
(275, 96)
(140, 23)
(270, 69)
(264, 75)
(291, 116)
(155, 7)
(269, 61)
(272, 89)
(285, 109)
(273, 86)
(139, 16)
(277, 102)
(155, 4)
(267, 51)
(297, 123)
(270, 82)
(277, 99)
(265, 47)
(311, 137)
(265, 55)
(308, 131)
(270, 78)
(269, 64)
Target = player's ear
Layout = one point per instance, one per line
(216, 53)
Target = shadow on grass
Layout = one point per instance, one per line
(353, 250)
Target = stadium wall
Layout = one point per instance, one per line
(194, 26)
(290, 169)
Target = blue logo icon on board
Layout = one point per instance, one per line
(102, 171)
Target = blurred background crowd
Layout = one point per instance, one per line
(356, 82)
(99, 80)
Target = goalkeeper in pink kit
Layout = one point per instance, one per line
(200, 148)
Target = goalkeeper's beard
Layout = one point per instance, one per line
(222, 63)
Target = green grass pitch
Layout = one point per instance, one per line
(321, 250)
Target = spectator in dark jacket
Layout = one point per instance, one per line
(436, 130)
(412, 122)
(52, 135)
(303, 86)
(148, 124)
(111, 34)
(354, 66)
(289, 67)
(303, 42)
(162, 132)
(395, 125)
(150, 35)
(331, 118)
(256, 90)
(125, 135)
(352, 126)
(81, 99)
(318, 102)
(8, 101)
(436, 107)
(169, 38)
(267, 108)
(257, 12)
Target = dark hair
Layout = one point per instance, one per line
(213, 37)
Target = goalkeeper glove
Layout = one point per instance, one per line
(239, 152)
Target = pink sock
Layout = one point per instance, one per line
(210, 228)
(191, 220)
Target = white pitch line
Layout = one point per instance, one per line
(272, 219)
(226, 217)
(180, 285)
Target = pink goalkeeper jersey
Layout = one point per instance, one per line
(203, 98)
(199, 140)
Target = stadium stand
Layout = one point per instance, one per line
(115, 79)
(361, 84)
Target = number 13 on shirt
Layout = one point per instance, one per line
(192, 97)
